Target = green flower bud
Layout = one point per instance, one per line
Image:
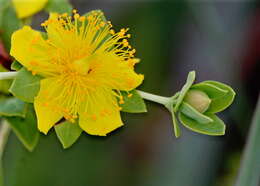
(198, 100)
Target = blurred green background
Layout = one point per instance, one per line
(221, 41)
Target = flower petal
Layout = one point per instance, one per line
(100, 114)
(114, 72)
(31, 50)
(46, 111)
(26, 8)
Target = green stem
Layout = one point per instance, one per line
(4, 134)
(7, 75)
(250, 166)
(151, 97)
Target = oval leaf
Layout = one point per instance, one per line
(133, 103)
(184, 90)
(25, 86)
(192, 113)
(13, 107)
(221, 103)
(68, 133)
(215, 128)
(26, 128)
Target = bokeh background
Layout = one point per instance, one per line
(218, 39)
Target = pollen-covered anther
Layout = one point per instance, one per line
(82, 18)
(129, 95)
(112, 31)
(76, 16)
(74, 11)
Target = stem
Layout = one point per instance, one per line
(7, 75)
(250, 166)
(4, 133)
(151, 97)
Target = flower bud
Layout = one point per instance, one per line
(198, 100)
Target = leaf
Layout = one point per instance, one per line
(133, 104)
(221, 103)
(16, 65)
(192, 113)
(8, 23)
(215, 128)
(26, 128)
(13, 107)
(184, 90)
(25, 86)
(68, 133)
(58, 6)
(211, 90)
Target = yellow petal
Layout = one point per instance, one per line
(115, 73)
(31, 50)
(100, 115)
(45, 107)
(26, 8)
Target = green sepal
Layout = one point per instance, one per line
(176, 128)
(25, 86)
(221, 103)
(26, 128)
(192, 113)
(13, 107)
(68, 133)
(133, 104)
(215, 128)
(211, 90)
(58, 6)
(16, 65)
(184, 90)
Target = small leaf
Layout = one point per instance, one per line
(215, 128)
(16, 65)
(211, 90)
(26, 128)
(184, 90)
(133, 103)
(13, 107)
(192, 113)
(221, 103)
(68, 133)
(58, 6)
(25, 86)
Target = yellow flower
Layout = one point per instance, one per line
(26, 8)
(85, 64)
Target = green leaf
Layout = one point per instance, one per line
(8, 23)
(192, 113)
(26, 128)
(13, 107)
(68, 133)
(58, 6)
(215, 128)
(25, 86)
(184, 90)
(211, 90)
(133, 104)
(221, 103)
(16, 65)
